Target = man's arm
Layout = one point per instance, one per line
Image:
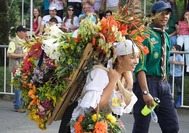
(148, 99)
(103, 5)
(13, 55)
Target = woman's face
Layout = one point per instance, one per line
(108, 15)
(129, 62)
(186, 16)
(70, 11)
(35, 12)
(173, 48)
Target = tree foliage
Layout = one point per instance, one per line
(3, 22)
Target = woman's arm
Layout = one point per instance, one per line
(108, 90)
(177, 28)
(39, 24)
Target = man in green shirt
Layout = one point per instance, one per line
(151, 73)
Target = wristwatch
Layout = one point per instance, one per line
(145, 92)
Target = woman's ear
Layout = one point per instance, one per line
(119, 59)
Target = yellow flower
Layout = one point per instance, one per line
(69, 61)
(65, 46)
(111, 118)
(94, 117)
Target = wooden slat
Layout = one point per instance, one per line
(72, 87)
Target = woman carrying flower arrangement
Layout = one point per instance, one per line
(102, 91)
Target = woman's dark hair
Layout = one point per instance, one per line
(177, 47)
(108, 11)
(67, 16)
(182, 17)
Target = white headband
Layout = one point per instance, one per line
(123, 48)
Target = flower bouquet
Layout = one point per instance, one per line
(101, 122)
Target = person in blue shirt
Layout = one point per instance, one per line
(86, 11)
(46, 7)
(178, 62)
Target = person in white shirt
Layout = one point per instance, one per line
(46, 18)
(70, 21)
(59, 4)
(102, 87)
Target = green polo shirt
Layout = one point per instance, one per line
(151, 63)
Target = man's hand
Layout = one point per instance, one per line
(149, 100)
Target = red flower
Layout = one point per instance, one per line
(35, 50)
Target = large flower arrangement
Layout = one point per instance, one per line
(52, 60)
(46, 71)
(101, 122)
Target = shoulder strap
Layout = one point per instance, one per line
(125, 93)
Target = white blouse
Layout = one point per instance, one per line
(68, 22)
(96, 81)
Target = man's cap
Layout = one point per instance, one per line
(52, 8)
(21, 28)
(160, 6)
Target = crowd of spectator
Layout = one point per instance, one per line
(70, 17)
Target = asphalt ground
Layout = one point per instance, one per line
(14, 122)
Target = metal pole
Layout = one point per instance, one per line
(31, 17)
(5, 70)
(22, 12)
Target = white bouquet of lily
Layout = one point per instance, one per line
(52, 42)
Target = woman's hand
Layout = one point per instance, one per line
(113, 75)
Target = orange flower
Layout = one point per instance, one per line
(133, 32)
(80, 119)
(101, 127)
(107, 25)
(145, 50)
(140, 39)
(78, 127)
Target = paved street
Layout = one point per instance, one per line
(13, 122)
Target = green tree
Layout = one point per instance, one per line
(14, 16)
(3, 28)
(3, 22)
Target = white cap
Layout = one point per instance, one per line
(125, 47)
(52, 8)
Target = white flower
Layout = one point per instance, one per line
(50, 47)
(117, 34)
(55, 32)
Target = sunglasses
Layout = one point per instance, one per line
(70, 9)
